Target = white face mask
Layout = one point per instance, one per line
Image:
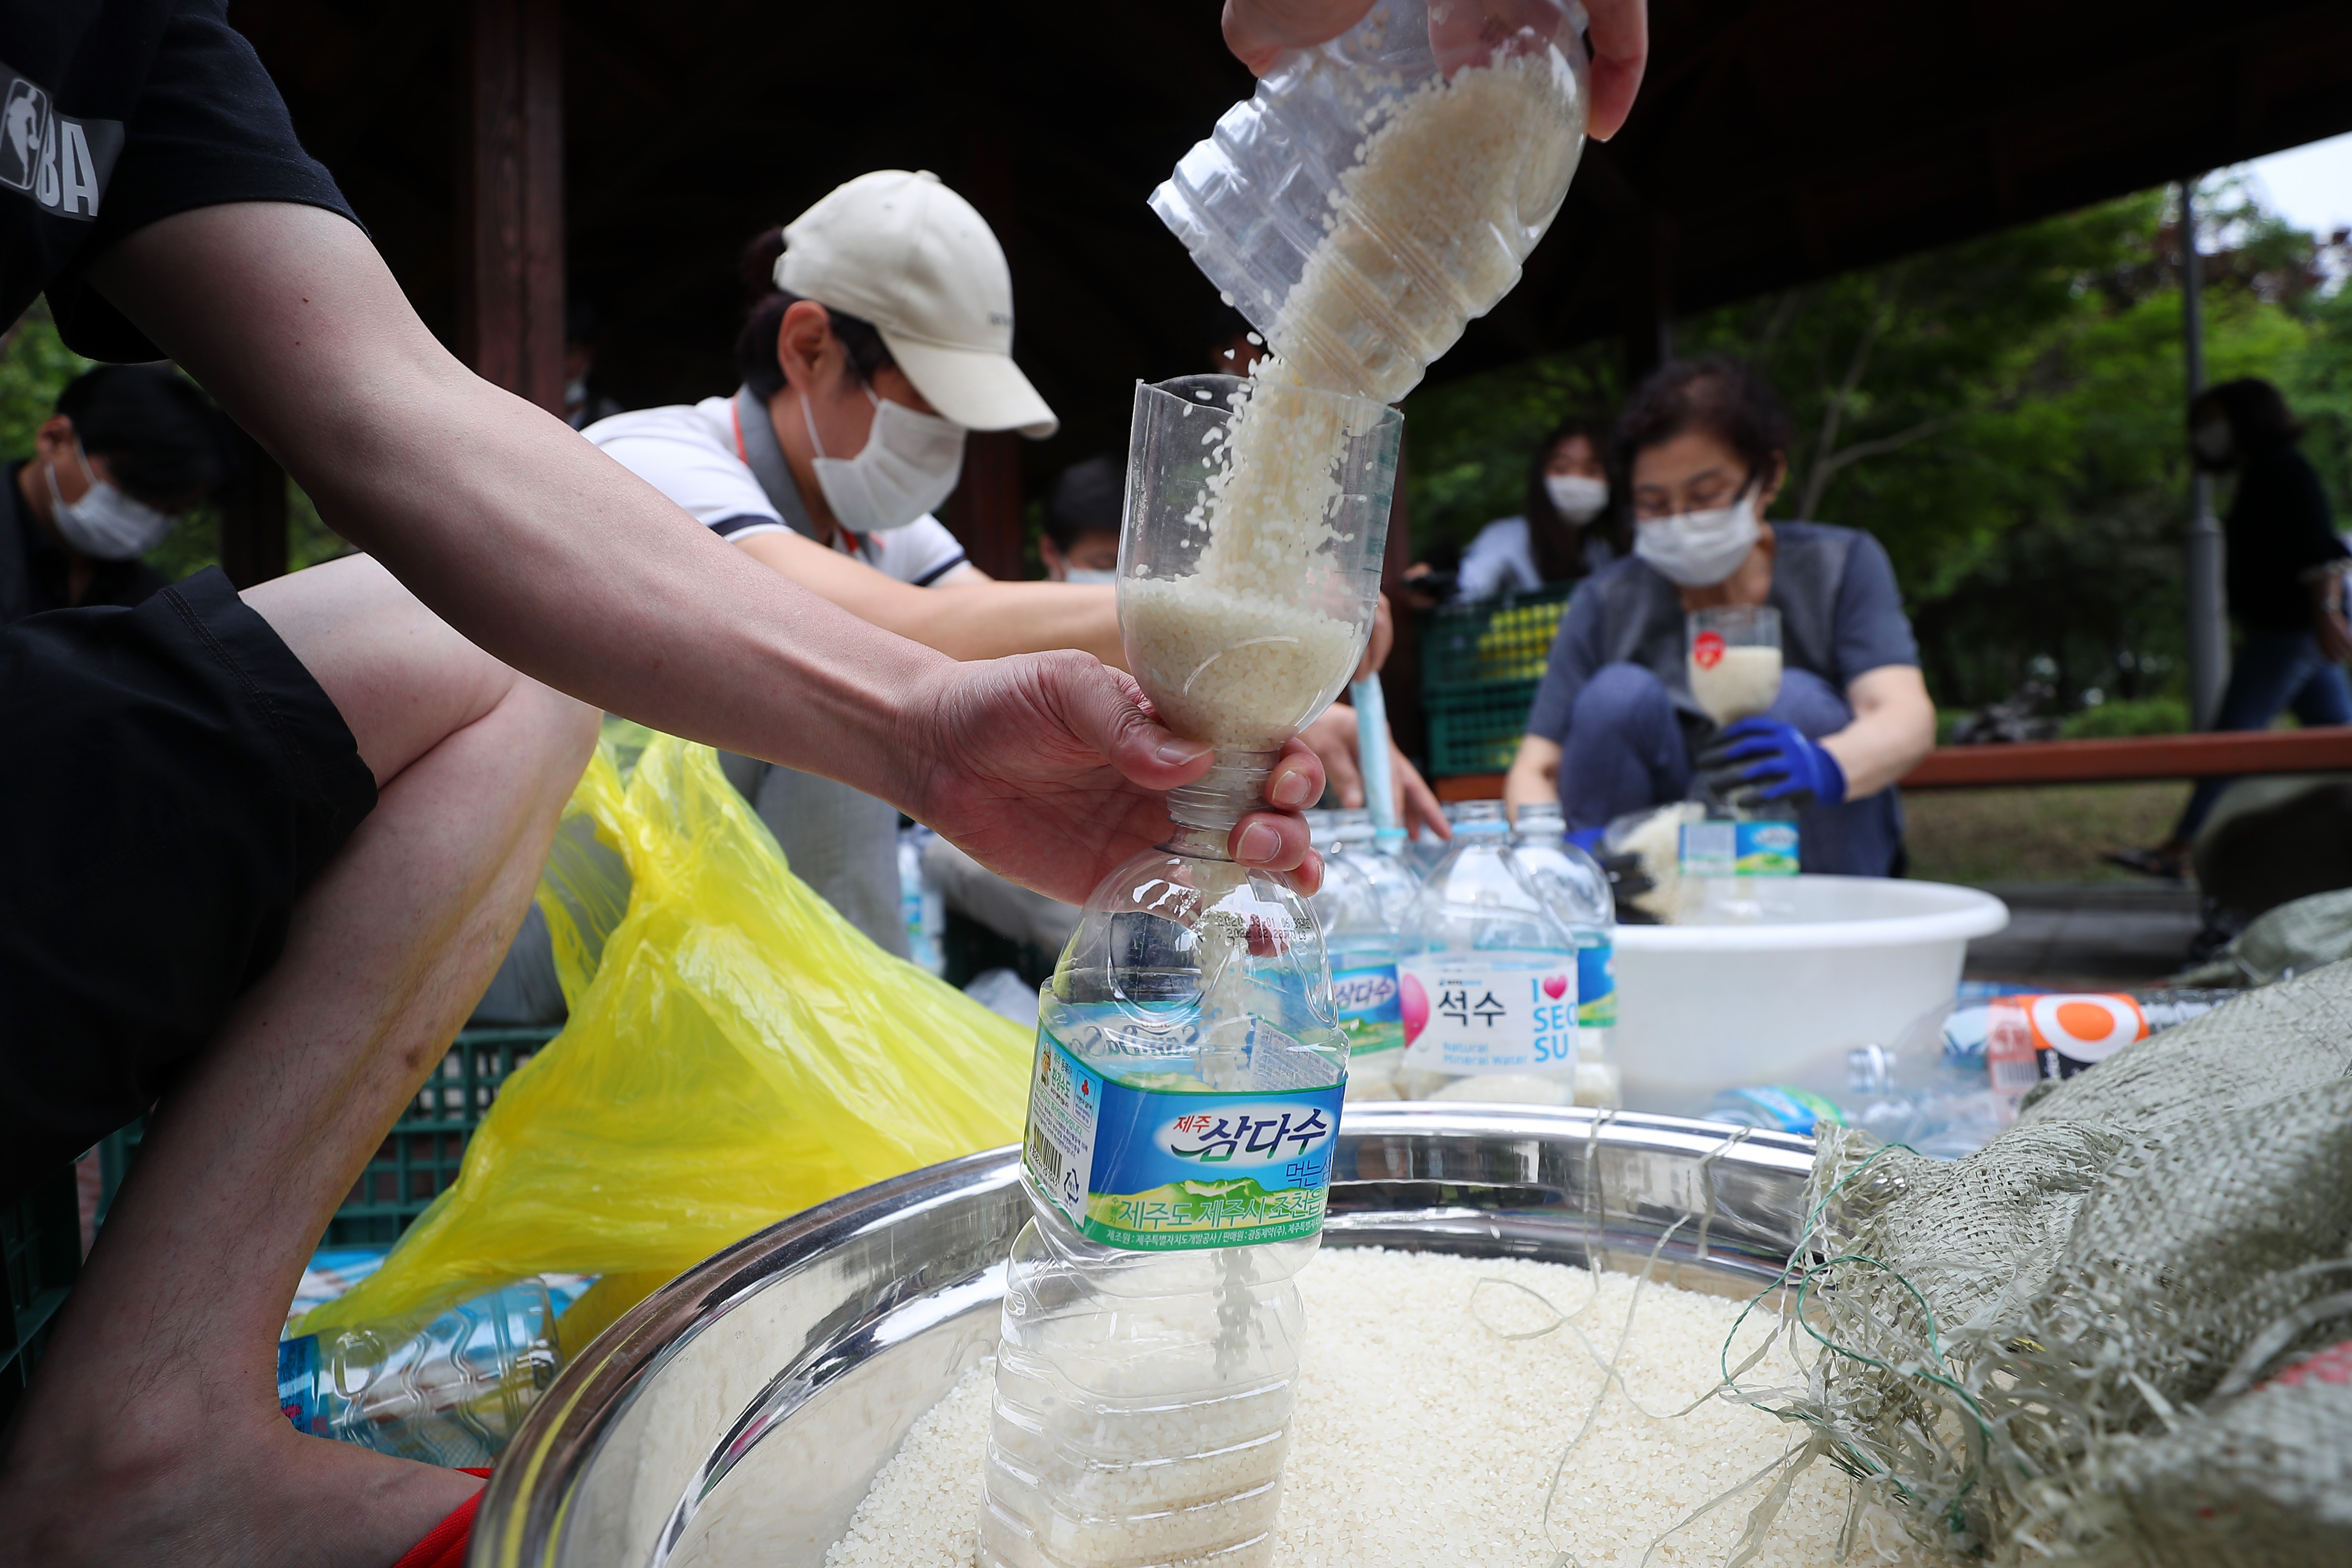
(2212, 440)
(909, 466)
(1576, 497)
(1088, 574)
(1699, 549)
(105, 524)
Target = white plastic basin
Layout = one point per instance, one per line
(1704, 1008)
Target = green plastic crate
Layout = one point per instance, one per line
(1475, 726)
(1504, 640)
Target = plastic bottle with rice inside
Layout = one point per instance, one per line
(1579, 894)
(1404, 169)
(1487, 970)
(1191, 1064)
(1359, 933)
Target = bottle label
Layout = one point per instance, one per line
(2055, 1036)
(1596, 988)
(1490, 1012)
(1720, 848)
(1781, 1108)
(1157, 1171)
(298, 1384)
(1370, 1014)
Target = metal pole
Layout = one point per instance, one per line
(2209, 625)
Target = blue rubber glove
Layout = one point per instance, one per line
(1589, 839)
(1760, 759)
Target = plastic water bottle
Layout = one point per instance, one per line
(1360, 936)
(1579, 889)
(922, 904)
(1922, 1099)
(1488, 976)
(1379, 859)
(1775, 1108)
(1423, 855)
(451, 1392)
(1182, 1114)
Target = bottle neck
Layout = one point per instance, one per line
(1206, 810)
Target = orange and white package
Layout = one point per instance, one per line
(2055, 1036)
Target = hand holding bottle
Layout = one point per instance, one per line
(1051, 770)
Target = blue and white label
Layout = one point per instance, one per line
(1720, 847)
(1490, 1012)
(1158, 1170)
(1596, 987)
(1370, 1008)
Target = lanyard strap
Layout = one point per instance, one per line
(756, 444)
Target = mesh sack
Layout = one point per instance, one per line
(2067, 1345)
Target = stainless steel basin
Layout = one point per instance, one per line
(738, 1415)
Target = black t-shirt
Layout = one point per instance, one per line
(2278, 529)
(115, 113)
(34, 571)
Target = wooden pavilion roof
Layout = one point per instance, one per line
(1776, 140)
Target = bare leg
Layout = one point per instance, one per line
(152, 1431)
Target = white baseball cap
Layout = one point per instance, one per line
(910, 256)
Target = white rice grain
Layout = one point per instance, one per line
(1424, 1437)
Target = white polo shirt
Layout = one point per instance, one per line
(693, 454)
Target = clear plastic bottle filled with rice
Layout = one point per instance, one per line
(1379, 192)
(1191, 1064)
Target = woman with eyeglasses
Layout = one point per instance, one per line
(1701, 452)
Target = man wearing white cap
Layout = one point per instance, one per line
(881, 333)
(884, 334)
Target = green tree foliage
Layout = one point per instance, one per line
(33, 368)
(2004, 415)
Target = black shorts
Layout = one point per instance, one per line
(172, 779)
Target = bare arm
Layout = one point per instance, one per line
(1894, 727)
(555, 559)
(974, 617)
(1534, 778)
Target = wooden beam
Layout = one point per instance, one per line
(2221, 754)
(511, 215)
(253, 516)
(985, 513)
(1468, 787)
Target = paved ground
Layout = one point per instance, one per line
(2087, 936)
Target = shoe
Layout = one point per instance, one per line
(2148, 863)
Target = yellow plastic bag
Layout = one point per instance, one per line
(736, 1051)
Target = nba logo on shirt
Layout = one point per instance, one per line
(60, 162)
(24, 134)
